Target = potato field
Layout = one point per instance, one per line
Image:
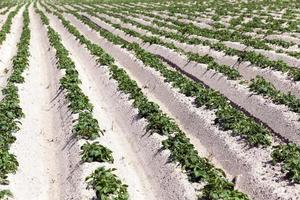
(149, 100)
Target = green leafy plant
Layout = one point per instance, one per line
(289, 155)
(8, 164)
(10, 110)
(261, 86)
(107, 185)
(95, 152)
(4, 194)
(87, 127)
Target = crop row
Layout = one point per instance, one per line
(182, 151)
(10, 110)
(272, 26)
(102, 180)
(254, 58)
(7, 25)
(267, 26)
(248, 27)
(260, 86)
(220, 34)
(228, 117)
(7, 7)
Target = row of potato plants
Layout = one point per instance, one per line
(270, 25)
(10, 110)
(182, 151)
(220, 8)
(258, 86)
(237, 13)
(103, 181)
(7, 24)
(228, 117)
(5, 4)
(220, 34)
(254, 58)
(267, 25)
(295, 54)
(229, 72)
(278, 42)
(184, 12)
(275, 41)
(7, 7)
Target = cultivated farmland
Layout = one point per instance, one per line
(149, 100)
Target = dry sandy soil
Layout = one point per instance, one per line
(49, 157)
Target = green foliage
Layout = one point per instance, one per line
(5, 29)
(44, 19)
(10, 110)
(289, 155)
(231, 119)
(87, 127)
(4, 194)
(8, 164)
(21, 60)
(261, 86)
(230, 72)
(95, 152)
(107, 185)
(199, 169)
